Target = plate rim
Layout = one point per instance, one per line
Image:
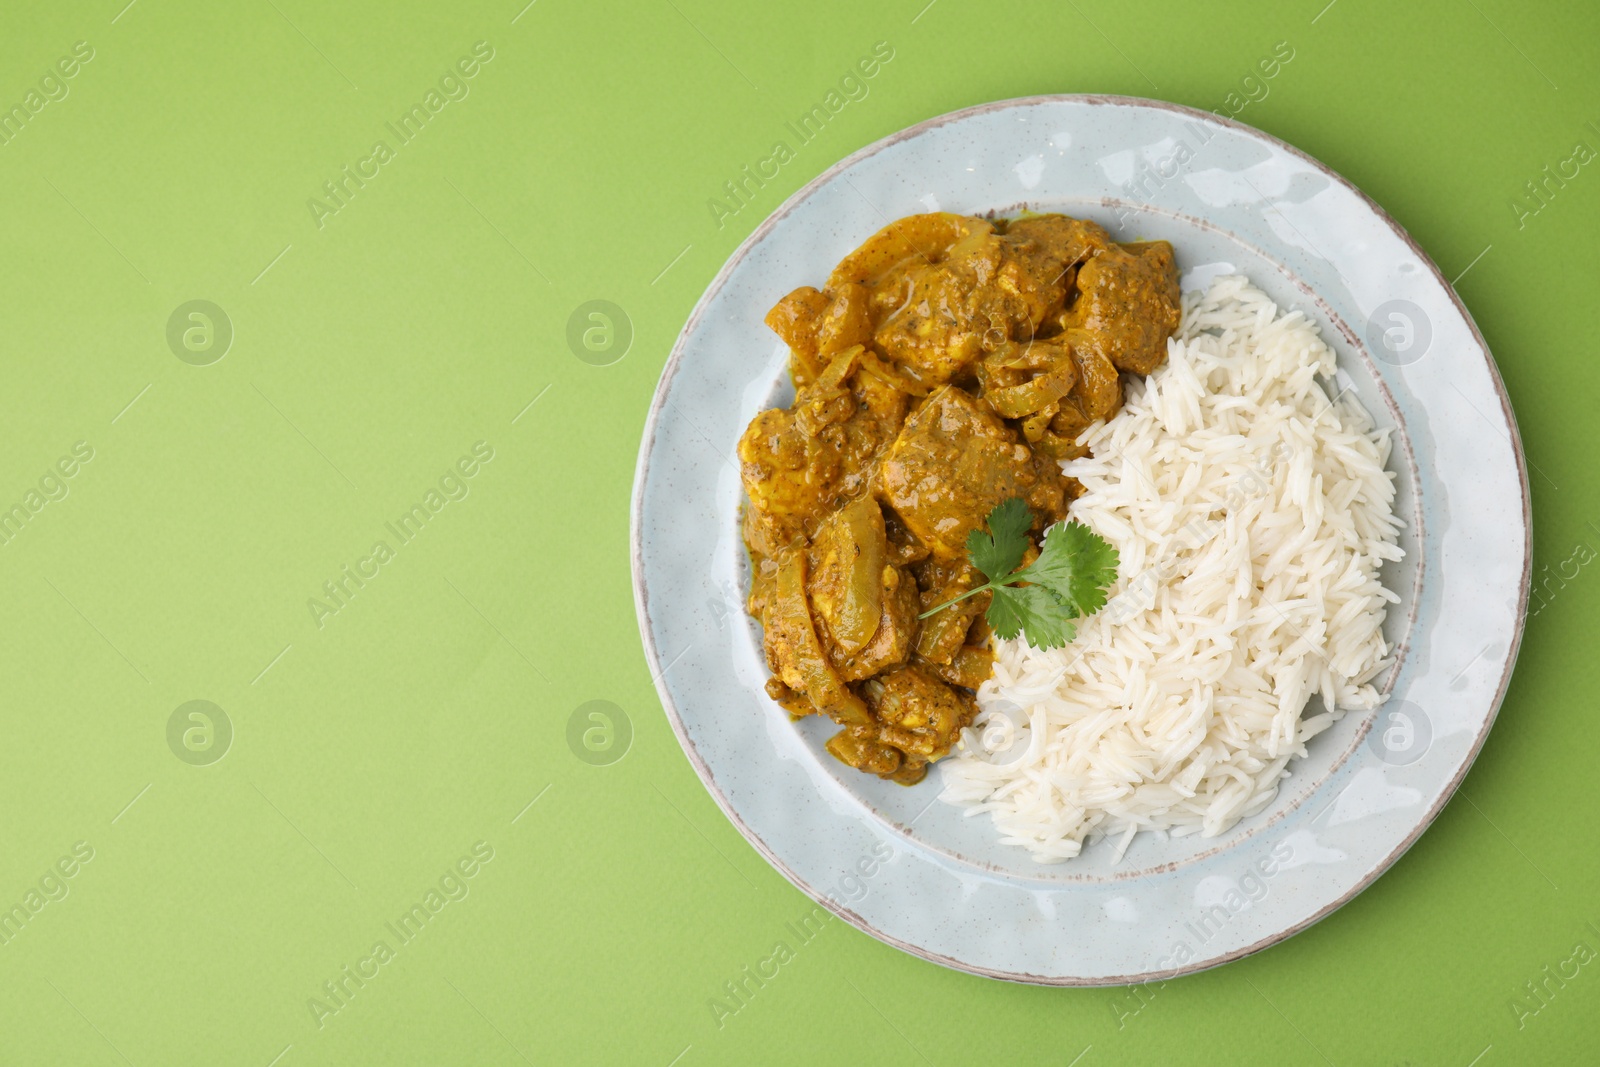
(641, 593)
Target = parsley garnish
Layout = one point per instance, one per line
(1067, 581)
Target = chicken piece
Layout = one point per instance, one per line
(912, 770)
(990, 288)
(796, 319)
(791, 477)
(917, 713)
(940, 315)
(859, 747)
(828, 400)
(941, 581)
(1098, 389)
(848, 320)
(818, 326)
(1039, 257)
(1066, 426)
(1017, 285)
(952, 462)
(1129, 304)
(1067, 240)
(1096, 394)
(969, 668)
(798, 464)
(791, 700)
(904, 549)
(946, 288)
(932, 333)
(916, 720)
(863, 438)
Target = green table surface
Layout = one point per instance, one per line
(401, 740)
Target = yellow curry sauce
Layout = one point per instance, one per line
(949, 364)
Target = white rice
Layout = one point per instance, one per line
(1252, 515)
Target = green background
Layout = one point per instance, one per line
(372, 752)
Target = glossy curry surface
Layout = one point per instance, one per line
(950, 363)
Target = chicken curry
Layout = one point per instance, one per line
(948, 364)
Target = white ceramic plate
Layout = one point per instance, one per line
(914, 872)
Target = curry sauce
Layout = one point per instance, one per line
(948, 364)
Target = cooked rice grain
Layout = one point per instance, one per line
(1252, 515)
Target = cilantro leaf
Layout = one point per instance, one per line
(1068, 580)
(1076, 564)
(1033, 611)
(998, 552)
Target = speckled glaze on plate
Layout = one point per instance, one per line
(1229, 198)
